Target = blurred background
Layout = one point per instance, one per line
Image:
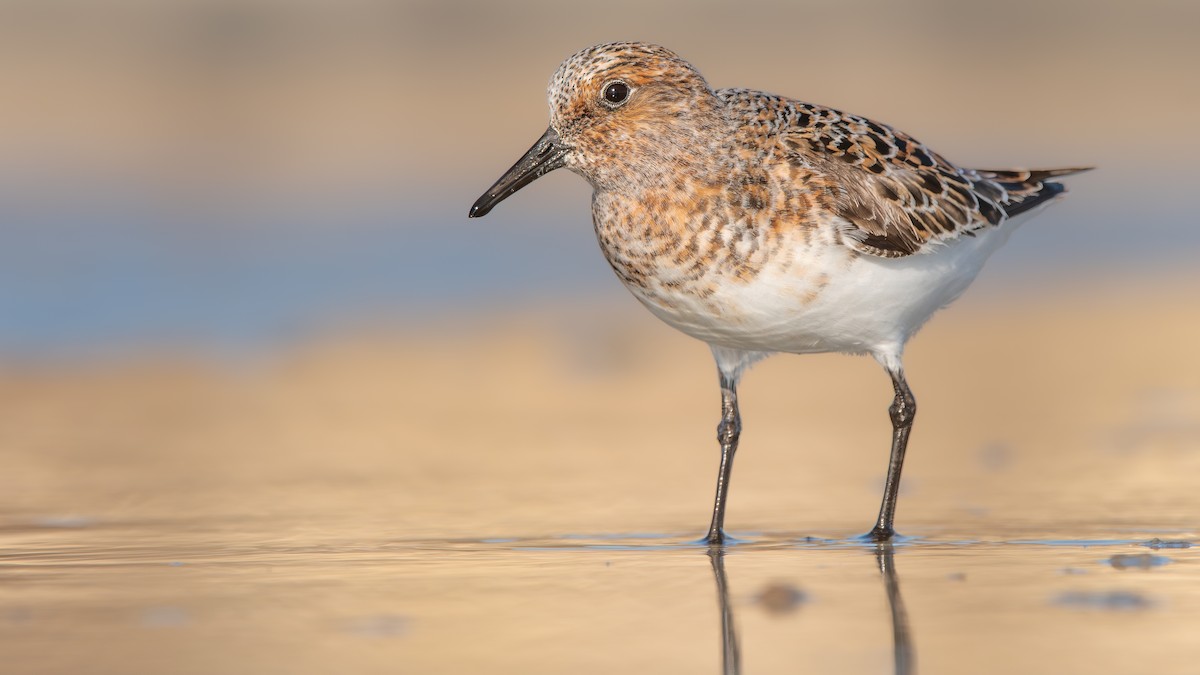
(234, 231)
(222, 175)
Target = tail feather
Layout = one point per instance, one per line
(1026, 189)
(1028, 175)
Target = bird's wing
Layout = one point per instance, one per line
(896, 196)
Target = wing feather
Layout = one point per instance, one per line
(897, 196)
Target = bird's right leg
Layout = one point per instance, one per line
(728, 432)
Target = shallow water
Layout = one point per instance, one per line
(191, 597)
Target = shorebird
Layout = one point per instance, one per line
(762, 224)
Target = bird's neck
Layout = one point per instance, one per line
(694, 148)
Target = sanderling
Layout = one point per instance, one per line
(761, 224)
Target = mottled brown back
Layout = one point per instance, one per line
(897, 196)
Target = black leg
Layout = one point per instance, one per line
(903, 410)
(727, 434)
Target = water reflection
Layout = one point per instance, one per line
(904, 657)
(731, 656)
(902, 648)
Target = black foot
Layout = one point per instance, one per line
(714, 538)
(718, 539)
(878, 534)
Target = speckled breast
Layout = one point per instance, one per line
(722, 272)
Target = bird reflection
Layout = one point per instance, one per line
(731, 656)
(904, 658)
(902, 648)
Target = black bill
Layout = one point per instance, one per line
(545, 156)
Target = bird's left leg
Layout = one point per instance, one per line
(903, 410)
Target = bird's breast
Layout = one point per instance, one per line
(714, 268)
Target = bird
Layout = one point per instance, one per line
(762, 224)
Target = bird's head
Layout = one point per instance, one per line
(619, 112)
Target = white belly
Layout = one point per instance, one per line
(831, 301)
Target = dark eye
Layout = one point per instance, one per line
(616, 93)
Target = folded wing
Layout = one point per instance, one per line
(897, 196)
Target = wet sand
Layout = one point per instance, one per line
(516, 494)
